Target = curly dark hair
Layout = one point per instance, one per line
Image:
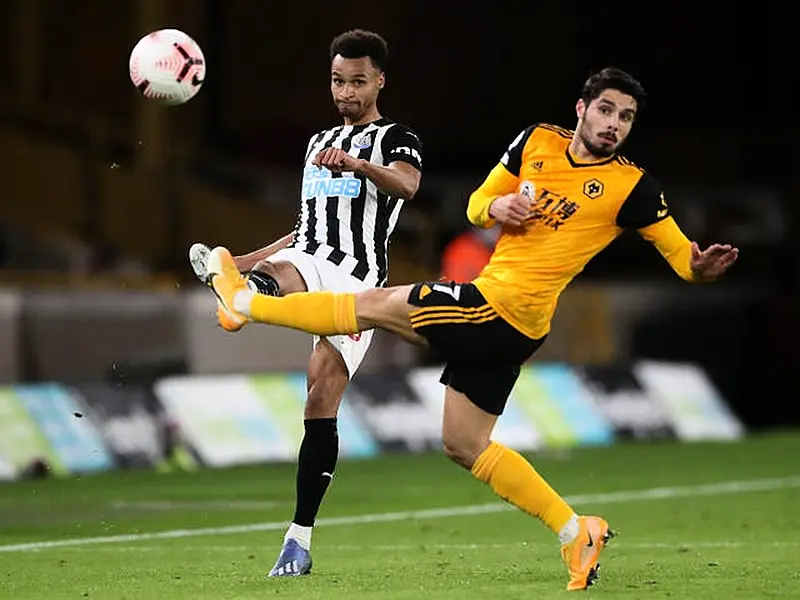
(613, 79)
(358, 43)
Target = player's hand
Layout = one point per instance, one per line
(336, 160)
(511, 209)
(709, 264)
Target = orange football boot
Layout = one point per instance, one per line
(581, 555)
(227, 321)
(226, 281)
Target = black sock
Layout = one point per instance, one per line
(263, 283)
(315, 466)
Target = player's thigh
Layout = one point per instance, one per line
(294, 270)
(482, 351)
(487, 387)
(461, 327)
(388, 308)
(328, 375)
(351, 348)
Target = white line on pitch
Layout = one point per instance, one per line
(659, 493)
(686, 545)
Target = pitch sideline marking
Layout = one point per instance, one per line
(687, 545)
(658, 493)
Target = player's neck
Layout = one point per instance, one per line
(581, 153)
(370, 116)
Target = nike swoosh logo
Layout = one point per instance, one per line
(591, 541)
(196, 80)
(328, 475)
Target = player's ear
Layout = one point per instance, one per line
(381, 81)
(580, 108)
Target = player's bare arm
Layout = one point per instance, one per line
(246, 262)
(398, 179)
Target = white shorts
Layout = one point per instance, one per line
(322, 275)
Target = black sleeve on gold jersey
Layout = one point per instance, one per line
(401, 143)
(512, 159)
(644, 206)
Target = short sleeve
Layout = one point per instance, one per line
(644, 206)
(512, 159)
(401, 143)
(311, 143)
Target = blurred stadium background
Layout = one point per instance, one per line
(110, 358)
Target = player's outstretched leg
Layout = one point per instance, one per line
(466, 435)
(321, 313)
(241, 304)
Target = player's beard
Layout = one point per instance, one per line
(597, 150)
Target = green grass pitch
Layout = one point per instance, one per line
(707, 521)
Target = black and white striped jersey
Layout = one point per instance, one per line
(344, 217)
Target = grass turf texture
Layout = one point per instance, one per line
(685, 541)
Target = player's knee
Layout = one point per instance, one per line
(371, 306)
(265, 266)
(285, 275)
(324, 397)
(386, 308)
(462, 450)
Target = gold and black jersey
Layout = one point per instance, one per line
(579, 209)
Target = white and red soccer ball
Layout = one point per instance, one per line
(167, 66)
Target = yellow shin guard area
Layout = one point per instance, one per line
(319, 313)
(516, 481)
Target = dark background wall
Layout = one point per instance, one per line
(720, 130)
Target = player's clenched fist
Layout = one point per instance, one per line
(511, 209)
(336, 160)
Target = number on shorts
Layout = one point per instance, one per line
(454, 292)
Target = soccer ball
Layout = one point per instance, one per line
(167, 66)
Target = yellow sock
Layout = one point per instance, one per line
(320, 313)
(514, 479)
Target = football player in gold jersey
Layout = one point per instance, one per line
(561, 197)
